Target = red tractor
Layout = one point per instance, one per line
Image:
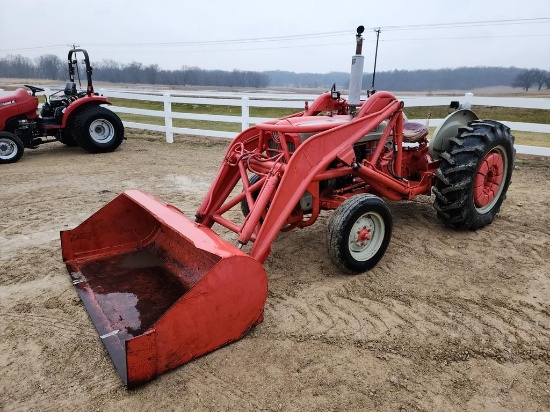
(74, 118)
(162, 289)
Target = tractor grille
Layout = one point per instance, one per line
(275, 148)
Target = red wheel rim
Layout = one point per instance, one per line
(488, 179)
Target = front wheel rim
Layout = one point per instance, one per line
(490, 179)
(102, 131)
(366, 236)
(8, 149)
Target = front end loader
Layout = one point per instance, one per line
(159, 288)
(162, 289)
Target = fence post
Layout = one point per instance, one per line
(245, 112)
(168, 118)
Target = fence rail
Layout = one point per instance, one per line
(295, 101)
(245, 101)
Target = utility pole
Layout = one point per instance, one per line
(372, 91)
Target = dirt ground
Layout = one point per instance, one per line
(448, 321)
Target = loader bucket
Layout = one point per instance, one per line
(160, 289)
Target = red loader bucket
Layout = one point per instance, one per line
(160, 289)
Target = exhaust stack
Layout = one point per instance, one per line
(356, 77)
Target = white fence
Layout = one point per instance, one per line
(243, 101)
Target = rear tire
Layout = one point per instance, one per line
(11, 148)
(66, 137)
(474, 175)
(359, 232)
(98, 130)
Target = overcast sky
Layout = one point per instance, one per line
(298, 35)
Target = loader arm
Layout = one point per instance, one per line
(227, 177)
(310, 159)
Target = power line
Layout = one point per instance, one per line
(34, 48)
(211, 50)
(515, 36)
(337, 33)
(483, 23)
(470, 24)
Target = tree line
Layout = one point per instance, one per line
(462, 78)
(50, 66)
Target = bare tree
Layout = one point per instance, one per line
(17, 66)
(150, 73)
(50, 66)
(525, 80)
(109, 70)
(540, 77)
(133, 72)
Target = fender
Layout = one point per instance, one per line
(77, 104)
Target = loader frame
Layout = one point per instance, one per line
(328, 154)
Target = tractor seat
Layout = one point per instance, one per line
(414, 132)
(69, 91)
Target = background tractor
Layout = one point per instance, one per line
(162, 289)
(73, 118)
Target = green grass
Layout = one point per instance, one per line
(191, 124)
(270, 112)
(220, 110)
(532, 139)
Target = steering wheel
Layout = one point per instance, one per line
(34, 90)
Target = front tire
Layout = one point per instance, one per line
(98, 130)
(245, 209)
(11, 148)
(474, 175)
(359, 232)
